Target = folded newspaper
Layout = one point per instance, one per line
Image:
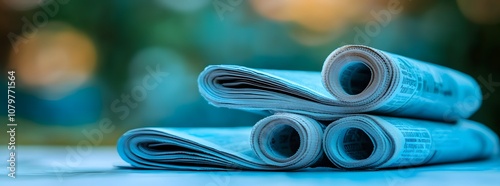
(289, 142)
(371, 142)
(279, 142)
(317, 118)
(354, 79)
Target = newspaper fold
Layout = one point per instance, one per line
(354, 79)
(296, 137)
(371, 142)
(189, 149)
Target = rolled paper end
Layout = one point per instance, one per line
(288, 140)
(351, 143)
(357, 74)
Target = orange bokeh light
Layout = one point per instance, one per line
(56, 56)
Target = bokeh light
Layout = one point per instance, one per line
(54, 61)
(481, 11)
(169, 83)
(315, 15)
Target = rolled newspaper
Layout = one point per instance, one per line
(355, 79)
(387, 83)
(371, 142)
(288, 140)
(278, 142)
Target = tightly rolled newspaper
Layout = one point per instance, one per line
(372, 142)
(283, 141)
(354, 79)
(288, 140)
(379, 81)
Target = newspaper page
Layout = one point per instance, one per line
(278, 142)
(354, 79)
(372, 142)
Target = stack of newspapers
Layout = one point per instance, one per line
(366, 109)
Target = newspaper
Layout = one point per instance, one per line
(289, 140)
(372, 142)
(354, 79)
(282, 142)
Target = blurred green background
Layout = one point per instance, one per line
(134, 63)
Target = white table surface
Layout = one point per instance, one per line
(58, 166)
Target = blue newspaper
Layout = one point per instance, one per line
(354, 79)
(372, 142)
(279, 142)
(287, 141)
(325, 119)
